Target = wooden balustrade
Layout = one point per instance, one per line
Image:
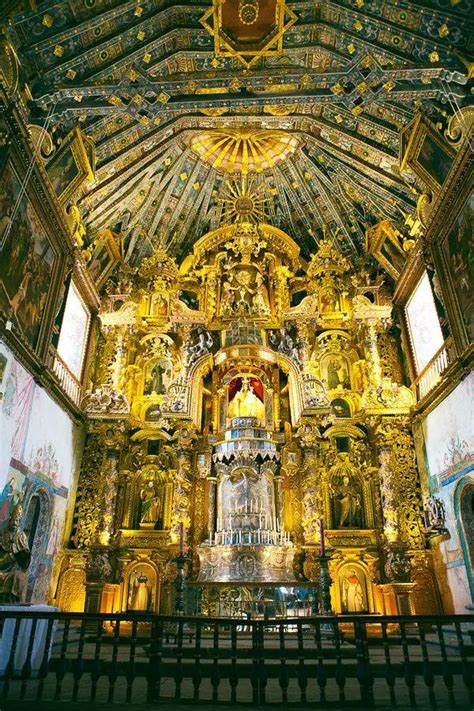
(154, 658)
(432, 372)
(68, 382)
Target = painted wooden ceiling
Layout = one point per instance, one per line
(142, 79)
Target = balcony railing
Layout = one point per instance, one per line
(432, 372)
(144, 658)
(68, 382)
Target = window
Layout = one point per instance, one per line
(73, 334)
(423, 324)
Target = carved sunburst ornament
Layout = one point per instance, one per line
(243, 202)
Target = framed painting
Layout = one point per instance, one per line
(74, 330)
(71, 165)
(106, 255)
(426, 153)
(384, 242)
(449, 236)
(28, 261)
(459, 257)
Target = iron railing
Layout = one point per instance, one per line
(144, 658)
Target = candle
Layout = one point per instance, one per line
(321, 533)
(181, 539)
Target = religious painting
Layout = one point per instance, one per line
(141, 588)
(27, 260)
(385, 243)
(459, 254)
(246, 398)
(426, 153)
(159, 305)
(353, 590)
(74, 329)
(71, 165)
(329, 300)
(425, 332)
(105, 256)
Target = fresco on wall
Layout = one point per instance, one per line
(26, 260)
(449, 451)
(39, 451)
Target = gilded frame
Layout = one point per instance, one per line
(47, 300)
(423, 150)
(75, 151)
(376, 238)
(447, 213)
(106, 255)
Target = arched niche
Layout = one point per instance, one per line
(37, 515)
(352, 589)
(346, 499)
(335, 371)
(140, 587)
(151, 499)
(341, 408)
(243, 391)
(158, 373)
(464, 517)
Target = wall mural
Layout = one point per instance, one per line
(449, 451)
(26, 259)
(39, 452)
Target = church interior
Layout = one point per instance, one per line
(236, 308)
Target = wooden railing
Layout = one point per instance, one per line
(432, 372)
(68, 382)
(148, 658)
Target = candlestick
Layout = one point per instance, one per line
(321, 533)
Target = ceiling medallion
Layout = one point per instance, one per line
(248, 29)
(244, 150)
(243, 202)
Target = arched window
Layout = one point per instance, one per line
(32, 517)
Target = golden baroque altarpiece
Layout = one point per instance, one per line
(239, 398)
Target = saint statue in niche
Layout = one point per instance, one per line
(139, 596)
(151, 505)
(353, 594)
(338, 373)
(246, 398)
(347, 503)
(160, 372)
